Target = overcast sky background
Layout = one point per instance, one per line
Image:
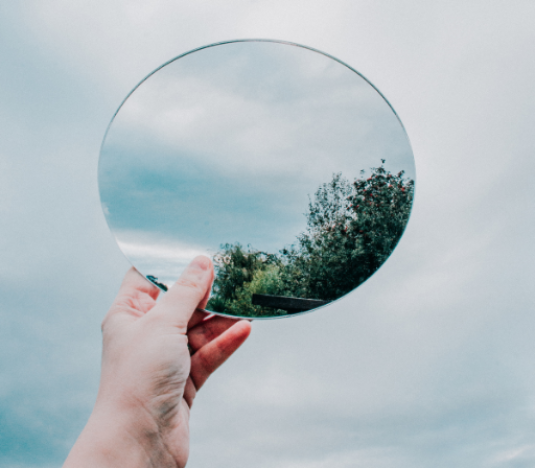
(229, 144)
(430, 363)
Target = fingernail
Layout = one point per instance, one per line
(201, 262)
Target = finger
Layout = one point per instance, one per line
(136, 296)
(189, 392)
(134, 282)
(207, 359)
(197, 317)
(206, 298)
(178, 304)
(208, 330)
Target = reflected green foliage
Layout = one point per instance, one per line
(352, 228)
(239, 274)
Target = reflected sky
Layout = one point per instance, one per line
(226, 145)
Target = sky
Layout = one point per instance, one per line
(229, 144)
(429, 363)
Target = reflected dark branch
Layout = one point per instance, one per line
(155, 281)
(289, 304)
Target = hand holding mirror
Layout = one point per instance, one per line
(280, 162)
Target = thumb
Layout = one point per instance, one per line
(178, 304)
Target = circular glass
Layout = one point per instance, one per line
(283, 164)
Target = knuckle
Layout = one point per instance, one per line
(195, 339)
(190, 284)
(212, 331)
(205, 363)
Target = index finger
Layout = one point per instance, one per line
(135, 283)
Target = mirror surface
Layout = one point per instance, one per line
(284, 165)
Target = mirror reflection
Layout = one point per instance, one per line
(281, 163)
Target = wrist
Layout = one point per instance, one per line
(116, 440)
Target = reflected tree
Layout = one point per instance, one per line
(352, 228)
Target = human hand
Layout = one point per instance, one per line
(148, 379)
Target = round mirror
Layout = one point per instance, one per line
(280, 162)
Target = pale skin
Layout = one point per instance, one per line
(148, 378)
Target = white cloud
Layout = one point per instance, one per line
(523, 454)
(404, 372)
